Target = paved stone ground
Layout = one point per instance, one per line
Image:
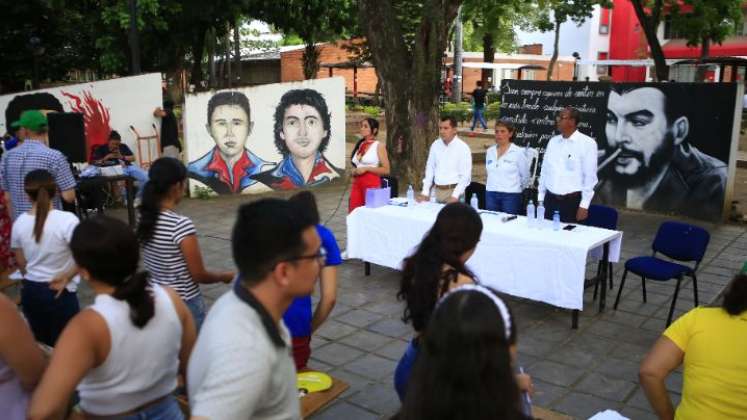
(577, 372)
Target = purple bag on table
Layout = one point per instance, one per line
(377, 197)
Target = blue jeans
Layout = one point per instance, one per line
(404, 368)
(478, 115)
(501, 201)
(47, 315)
(168, 409)
(140, 175)
(196, 305)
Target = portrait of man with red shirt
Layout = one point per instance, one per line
(229, 166)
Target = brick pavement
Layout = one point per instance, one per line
(576, 372)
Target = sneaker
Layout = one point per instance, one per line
(344, 254)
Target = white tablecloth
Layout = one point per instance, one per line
(538, 264)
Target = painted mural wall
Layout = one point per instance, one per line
(106, 105)
(664, 147)
(271, 137)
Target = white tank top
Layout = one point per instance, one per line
(142, 363)
(370, 159)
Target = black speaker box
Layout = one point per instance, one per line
(67, 134)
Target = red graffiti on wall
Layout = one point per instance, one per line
(95, 117)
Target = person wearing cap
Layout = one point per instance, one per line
(33, 153)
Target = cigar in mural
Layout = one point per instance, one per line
(609, 159)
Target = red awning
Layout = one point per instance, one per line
(732, 46)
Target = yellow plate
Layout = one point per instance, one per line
(313, 381)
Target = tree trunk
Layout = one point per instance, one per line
(488, 56)
(377, 91)
(237, 50)
(409, 79)
(705, 52)
(198, 46)
(310, 60)
(554, 59)
(650, 25)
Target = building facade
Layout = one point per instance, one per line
(616, 34)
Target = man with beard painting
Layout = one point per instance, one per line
(655, 167)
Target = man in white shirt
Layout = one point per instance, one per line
(569, 170)
(449, 166)
(241, 366)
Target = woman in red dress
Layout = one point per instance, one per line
(370, 162)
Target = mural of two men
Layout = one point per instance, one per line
(301, 134)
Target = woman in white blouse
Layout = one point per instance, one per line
(508, 171)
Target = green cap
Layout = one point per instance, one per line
(32, 120)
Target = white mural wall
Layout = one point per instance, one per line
(271, 137)
(106, 105)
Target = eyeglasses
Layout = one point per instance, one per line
(320, 256)
(563, 117)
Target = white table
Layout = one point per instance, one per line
(537, 264)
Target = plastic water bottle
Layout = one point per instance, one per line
(474, 203)
(556, 220)
(531, 216)
(433, 198)
(410, 196)
(540, 214)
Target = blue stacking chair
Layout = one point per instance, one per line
(606, 218)
(678, 241)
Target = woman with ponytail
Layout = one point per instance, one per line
(465, 367)
(171, 252)
(123, 354)
(40, 239)
(436, 267)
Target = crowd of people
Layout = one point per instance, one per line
(149, 337)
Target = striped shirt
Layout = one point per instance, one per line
(164, 259)
(26, 157)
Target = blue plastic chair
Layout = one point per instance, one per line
(606, 218)
(678, 241)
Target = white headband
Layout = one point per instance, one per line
(502, 308)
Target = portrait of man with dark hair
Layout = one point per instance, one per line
(229, 166)
(302, 131)
(654, 164)
(42, 101)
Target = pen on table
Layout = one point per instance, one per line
(609, 159)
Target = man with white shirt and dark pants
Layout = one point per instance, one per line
(449, 166)
(569, 170)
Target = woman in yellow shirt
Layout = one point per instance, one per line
(711, 343)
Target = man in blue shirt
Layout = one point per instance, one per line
(298, 318)
(114, 152)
